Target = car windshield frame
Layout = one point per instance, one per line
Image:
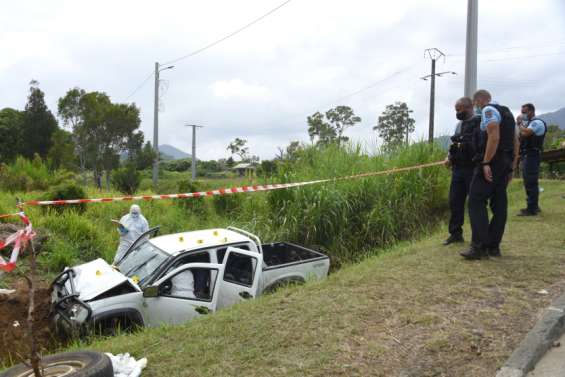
(142, 262)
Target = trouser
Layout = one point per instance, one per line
(460, 182)
(530, 173)
(488, 234)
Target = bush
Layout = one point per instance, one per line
(67, 191)
(195, 205)
(227, 204)
(126, 180)
(30, 175)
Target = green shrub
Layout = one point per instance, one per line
(66, 191)
(195, 205)
(227, 204)
(57, 255)
(126, 180)
(30, 175)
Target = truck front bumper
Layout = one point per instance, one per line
(69, 313)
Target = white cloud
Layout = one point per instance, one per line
(237, 89)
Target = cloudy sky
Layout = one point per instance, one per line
(261, 84)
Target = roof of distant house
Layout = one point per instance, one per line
(244, 165)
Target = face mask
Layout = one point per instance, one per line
(525, 118)
(478, 111)
(461, 115)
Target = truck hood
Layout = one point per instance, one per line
(94, 278)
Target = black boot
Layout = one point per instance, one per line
(527, 212)
(474, 253)
(494, 252)
(453, 239)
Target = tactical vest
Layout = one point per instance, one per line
(462, 150)
(507, 132)
(533, 142)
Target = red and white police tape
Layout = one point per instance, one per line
(19, 239)
(225, 191)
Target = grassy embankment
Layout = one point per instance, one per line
(416, 310)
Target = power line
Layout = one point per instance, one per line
(372, 85)
(139, 86)
(210, 45)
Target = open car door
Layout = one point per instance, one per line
(145, 236)
(175, 299)
(241, 276)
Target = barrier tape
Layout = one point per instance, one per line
(19, 239)
(226, 191)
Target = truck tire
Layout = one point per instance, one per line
(69, 364)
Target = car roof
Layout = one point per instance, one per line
(173, 244)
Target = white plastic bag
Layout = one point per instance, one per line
(126, 366)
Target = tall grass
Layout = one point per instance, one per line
(346, 218)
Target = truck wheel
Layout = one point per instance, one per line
(70, 364)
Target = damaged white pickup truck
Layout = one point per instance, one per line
(174, 278)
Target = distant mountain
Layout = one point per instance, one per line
(172, 153)
(556, 117)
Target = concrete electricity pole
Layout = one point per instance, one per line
(156, 123)
(471, 47)
(193, 162)
(433, 54)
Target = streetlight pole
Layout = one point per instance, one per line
(193, 158)
(471, 47)
(156, 123)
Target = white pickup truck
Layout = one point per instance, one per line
(176, 277)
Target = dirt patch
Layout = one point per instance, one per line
(14, 341)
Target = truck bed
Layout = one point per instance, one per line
(282, 253)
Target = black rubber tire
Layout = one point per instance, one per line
(96, 364)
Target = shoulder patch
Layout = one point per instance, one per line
(488, 113)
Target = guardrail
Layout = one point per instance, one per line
(554, 155)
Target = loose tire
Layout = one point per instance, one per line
(70, 364)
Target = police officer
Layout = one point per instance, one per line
(498, 150)
(532, 135)
(460, 159)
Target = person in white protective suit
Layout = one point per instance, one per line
(183, 285)
(131, 227)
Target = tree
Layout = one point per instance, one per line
(39, 124)
(103, 130)
(238, 147)
(70, 111)
(395, 124)
(62, 152)
(319, 129)
(554, 137)
(341, 118)
(145, 157)
(329, 128)
(11, 128)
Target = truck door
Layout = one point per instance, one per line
(173, 299)
(241, 276)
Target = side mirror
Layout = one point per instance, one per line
(151, 291)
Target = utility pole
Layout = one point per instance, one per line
(156, 123)
(156, 128)
(433, 54)
(471, 47)
(193, 162)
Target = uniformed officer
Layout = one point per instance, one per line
(498, 146)
(460, 159)
(532, 135)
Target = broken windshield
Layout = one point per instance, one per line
(142, 261)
